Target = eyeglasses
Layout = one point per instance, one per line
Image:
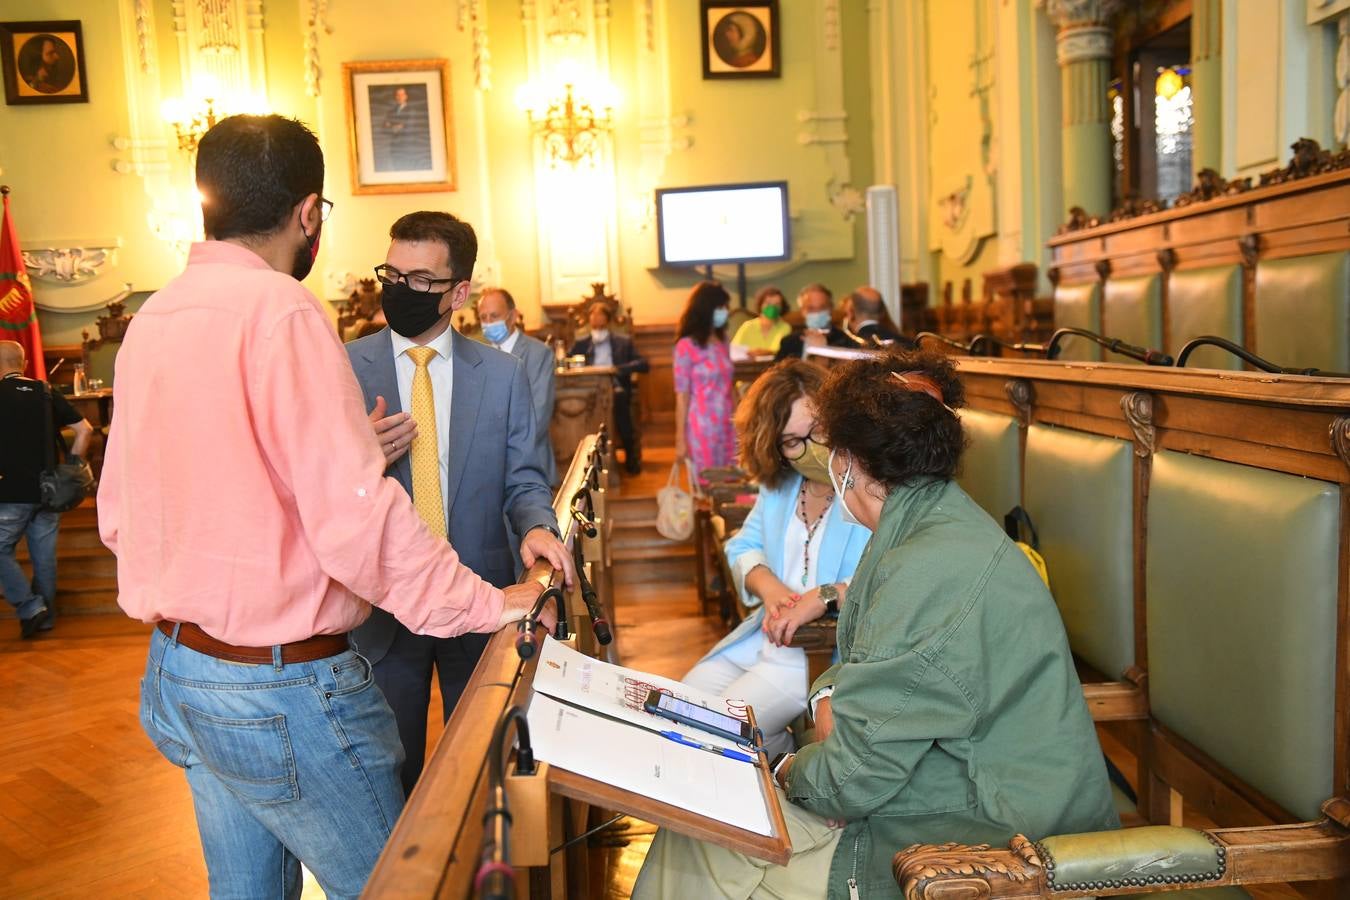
(424, 284)
(325, 209)
(793, 447)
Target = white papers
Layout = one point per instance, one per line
(645, 763)
(619, 692)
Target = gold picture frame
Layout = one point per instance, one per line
(400, 125)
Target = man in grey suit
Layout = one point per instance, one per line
(500, 319)
(457, 427)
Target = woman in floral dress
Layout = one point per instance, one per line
(703, 381)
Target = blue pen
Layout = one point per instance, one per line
(720, 751)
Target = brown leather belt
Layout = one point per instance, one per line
(318, 647)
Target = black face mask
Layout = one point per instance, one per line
(410, 312)
(305, 256)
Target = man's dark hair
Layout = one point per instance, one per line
(604, 308)
(897, 431)
(697, 320)
(456, 235)
(252, 171)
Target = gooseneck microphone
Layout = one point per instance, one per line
(526, 643)
(496, 879)
(1145, 355)
(1241, 352)
(599, 624)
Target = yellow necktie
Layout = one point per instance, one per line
(426, 462)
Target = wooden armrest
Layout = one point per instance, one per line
(1129, 861)
(822, 634)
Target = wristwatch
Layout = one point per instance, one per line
(830, 594)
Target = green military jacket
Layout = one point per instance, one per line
(957, 712)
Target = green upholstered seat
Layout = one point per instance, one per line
(1079, 306)
(101, 359)
(1132, 312)
(991, 472)
(1303, 311)
(1131, 857)
(1242, 580)
(1079, 491)
(1205, 301)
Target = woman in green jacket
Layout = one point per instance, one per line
(954, 713)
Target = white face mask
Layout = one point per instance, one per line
(840, 487)
(599, 335)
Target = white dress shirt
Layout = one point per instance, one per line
(506, 345)
(442, 371)
(602, 352)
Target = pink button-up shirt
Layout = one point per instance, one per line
(243, 488)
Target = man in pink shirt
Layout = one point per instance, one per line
(244, 495)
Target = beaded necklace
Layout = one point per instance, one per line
(811, 527)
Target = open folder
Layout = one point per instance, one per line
(586, 717)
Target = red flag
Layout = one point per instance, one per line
(18, 315)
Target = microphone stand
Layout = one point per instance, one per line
(1144, 355)
(599, 625)
(496, 879)
(943, 339)
(1265, 365)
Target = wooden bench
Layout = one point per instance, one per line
(1196, 526)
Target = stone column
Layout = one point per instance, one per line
(1083, 48)
(1207, 85)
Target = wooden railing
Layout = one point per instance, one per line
(435, 846)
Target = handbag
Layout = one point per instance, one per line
(62, 487)
(675, 506)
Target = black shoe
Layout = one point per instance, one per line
(33, 624)
(633, 468)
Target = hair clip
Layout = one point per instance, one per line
(918, 381)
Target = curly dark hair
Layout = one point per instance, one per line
(898, 432)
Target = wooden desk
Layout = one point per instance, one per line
(583, 403)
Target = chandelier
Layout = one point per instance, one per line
(190, 120)
(570, 127)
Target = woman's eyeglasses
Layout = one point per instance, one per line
(423, 284)
(793, 447)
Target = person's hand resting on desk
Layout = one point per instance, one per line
(540, 543)
(395, 433)
(520, 599)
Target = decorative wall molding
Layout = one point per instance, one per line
(829, 24)
(1080, 13)
(1138, 409)
(315, 16)
(70, 265)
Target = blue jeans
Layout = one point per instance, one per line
(287, 764)
(37, 526)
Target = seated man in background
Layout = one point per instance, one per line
(602, 348)
(465, 450)
(23, 456)
(869, 320)
(502, 329)
(816, 303)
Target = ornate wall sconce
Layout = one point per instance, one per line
(190, 121)
(571, 128)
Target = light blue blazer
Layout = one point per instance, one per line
(760, 542)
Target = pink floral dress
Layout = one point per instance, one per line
(706, 375)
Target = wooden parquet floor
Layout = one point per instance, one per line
(88, 808)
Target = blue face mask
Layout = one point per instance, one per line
(497, 332)
(820, 321)
(720, 317)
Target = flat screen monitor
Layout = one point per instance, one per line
(723, 223)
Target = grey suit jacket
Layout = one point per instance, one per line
(494, 461)
(538, 361)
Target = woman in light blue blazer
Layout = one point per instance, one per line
(794, 542)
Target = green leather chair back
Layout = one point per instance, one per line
(1132, 311)
(991, 471)
(1242, 573)
(1079, 306)
(1303, 311)
(1079, 491)
(1206, 301)
(101, 361)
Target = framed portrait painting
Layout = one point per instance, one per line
(740, 40)
(43, 62)
(398, 113)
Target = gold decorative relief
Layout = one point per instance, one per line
(1138, 409)
(1022, 396)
